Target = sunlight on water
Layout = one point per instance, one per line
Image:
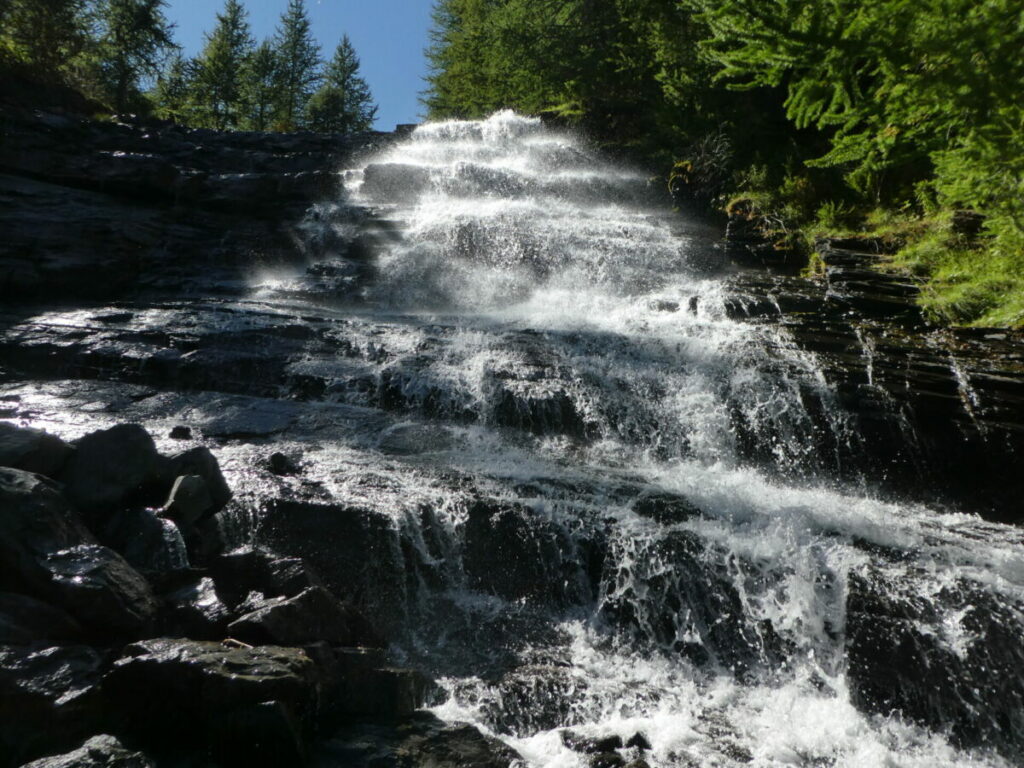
(540, 288)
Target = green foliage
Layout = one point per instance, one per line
(172, 95)
(297, 73)
(976, 282)
(42, 35)
(830, 108)
(217, 83)
(343, 104)
(257, 87)
(134, 40)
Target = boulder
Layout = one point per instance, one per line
(676, 592)
(421, 740)
(196, 610)
(903, 657)
(281, 464)
(111, 468)
(540, 410)
(200, 461)
(35, 520)
(245, 570)
(25, 620)
(102, 751)
(357, 552)
(32, 450)
(589, 744)
(149, 543)
(359, 683)
(177, 691)
(311, 616)
(49, 699)
(513, 552)
(101, 590)
(190, 499)
(665, 508)
(268, 733)
(532, 698)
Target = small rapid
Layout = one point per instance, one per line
(652, 538)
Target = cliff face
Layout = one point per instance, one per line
(107, 210)
(938, 412)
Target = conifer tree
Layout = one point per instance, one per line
(173, 92)
(343, 104)
(134, 41)
(219, 69)
(42, 34)
(298, 65)
(259, 79)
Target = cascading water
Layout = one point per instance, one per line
(651, 542)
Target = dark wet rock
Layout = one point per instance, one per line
(190, 500)
(175, 691)
(101, 209)
(538, 410)
(181, 432)
(280, 464)
(98, 752)
(665, 508)
(421, 740)
(678, 593)
(359, 554)
(512, 551)
(311, 616)
(531, 699)
(98, 587)
(606, 760)
(49, 699)
(360, 683)
(933, 413)
(963, 679)
(196, 610)
(269, 733)
(25, 620)
(246, 570)
(35, 521)
(638, 741)
(589, 744)
(32, 450)
(111, 468)
(149, 543)
(201, 462)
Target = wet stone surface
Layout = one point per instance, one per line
(652, 500)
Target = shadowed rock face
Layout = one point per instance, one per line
(937, 411)
(102, 210)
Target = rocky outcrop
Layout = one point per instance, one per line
(902, 659)
(242, 655)
(935, 413)
(99, 210)
(102, 751)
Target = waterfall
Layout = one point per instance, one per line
(647, 535)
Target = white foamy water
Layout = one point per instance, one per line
(555, 322)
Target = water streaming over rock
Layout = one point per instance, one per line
(647, 535)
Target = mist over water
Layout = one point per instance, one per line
(691, 565)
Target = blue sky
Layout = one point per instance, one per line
(389, 36)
